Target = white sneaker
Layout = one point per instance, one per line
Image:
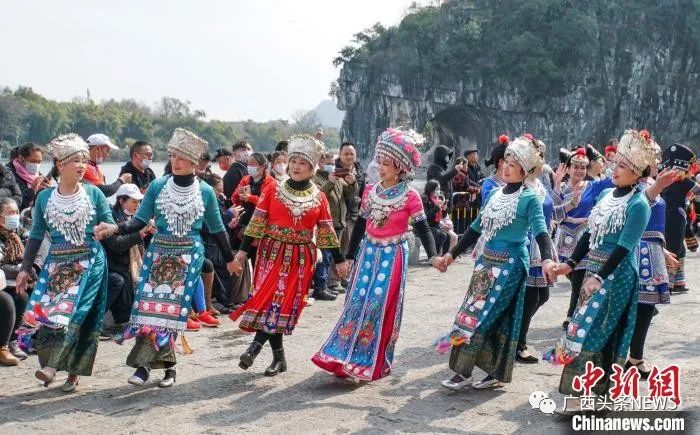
(456, 383)
(310, 301)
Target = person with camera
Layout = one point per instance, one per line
(24, 165)
(339, 185)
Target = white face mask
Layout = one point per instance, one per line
(32, 168)
(253, 171)
(146, 163)
(281, 168)
(100, 160)
(11, 222)
(329, 168)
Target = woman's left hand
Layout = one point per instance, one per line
(549, 268)
(104, 230)
(591, 285)
(342, 269)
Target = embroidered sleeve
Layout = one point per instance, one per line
(146, 209)
(414, 205)
(212, 213)
(39, 227)
(536, 217)
(635, 223)
(258, 223)
(364, 209)
(559, 210)
(103, 212)
(325, 234)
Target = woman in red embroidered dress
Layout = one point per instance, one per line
(284, 220)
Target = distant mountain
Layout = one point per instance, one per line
(328, 114)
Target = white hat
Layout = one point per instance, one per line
(306, 147)
(187, 145)
(130, 190)
(100, 139)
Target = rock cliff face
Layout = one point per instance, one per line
(651, 82)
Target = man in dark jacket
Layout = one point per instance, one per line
(440, 170)
(140, 165)
(238, 169)
(8, 186)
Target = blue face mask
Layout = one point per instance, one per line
(11, 222)
(329, 168)
(253, 171)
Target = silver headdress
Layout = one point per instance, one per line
(526, 152)
(306, 147)
(638, 149)
(67, 145)
(187, 145)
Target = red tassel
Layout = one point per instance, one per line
(503, 139)
(528, 136)
(645, 134)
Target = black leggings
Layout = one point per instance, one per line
(275, 339)
(644, 314)
(535, 297)
(576, 278)
(12, 308)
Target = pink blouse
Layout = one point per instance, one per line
(396, 224)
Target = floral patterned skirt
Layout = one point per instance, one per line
(281, 282)
(363, 340)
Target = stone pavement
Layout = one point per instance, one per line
(212, 395)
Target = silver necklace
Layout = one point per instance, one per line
(499, 212)
(181, 206)
(298, 202)
(381, 202)
(70, 214)
(607, 217)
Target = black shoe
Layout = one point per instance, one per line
(279, 364)
(681, 289)
(169, 378)
(526, 357)
(323, 295)
(656, 311)
(140, 376)
(565, 325)
(249, 355)
(644, 374)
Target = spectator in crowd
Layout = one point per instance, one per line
(238, 169)
(347, 163)
(12, 301)
(203, 169)
(229, 290)
(224, 158)
(279, 166)
(99, 146)
(282, 146)
(435, 207)
(440, 169)
(139, 166)
(248, 192)
(124, 259)
(24, 165)
(339, 185)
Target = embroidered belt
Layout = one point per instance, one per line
(653, 235)
(288, 235)
(67, 249)
(394, 240)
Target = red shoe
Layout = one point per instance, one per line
(206, 319)
(193, 325)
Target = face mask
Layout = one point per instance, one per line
(253, 171)
(329, 168)
(243, 156)
(11, 222)
(32, 168)
(281, 168)
(100, 160)
(146, 164)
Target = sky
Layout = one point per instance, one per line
(236, 59)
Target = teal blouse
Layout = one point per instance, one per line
(40, 227)
(148, 209)
(638, 212)
(528, 217)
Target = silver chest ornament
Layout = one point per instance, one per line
(381, 206)
(181, 206)
(70, 214)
